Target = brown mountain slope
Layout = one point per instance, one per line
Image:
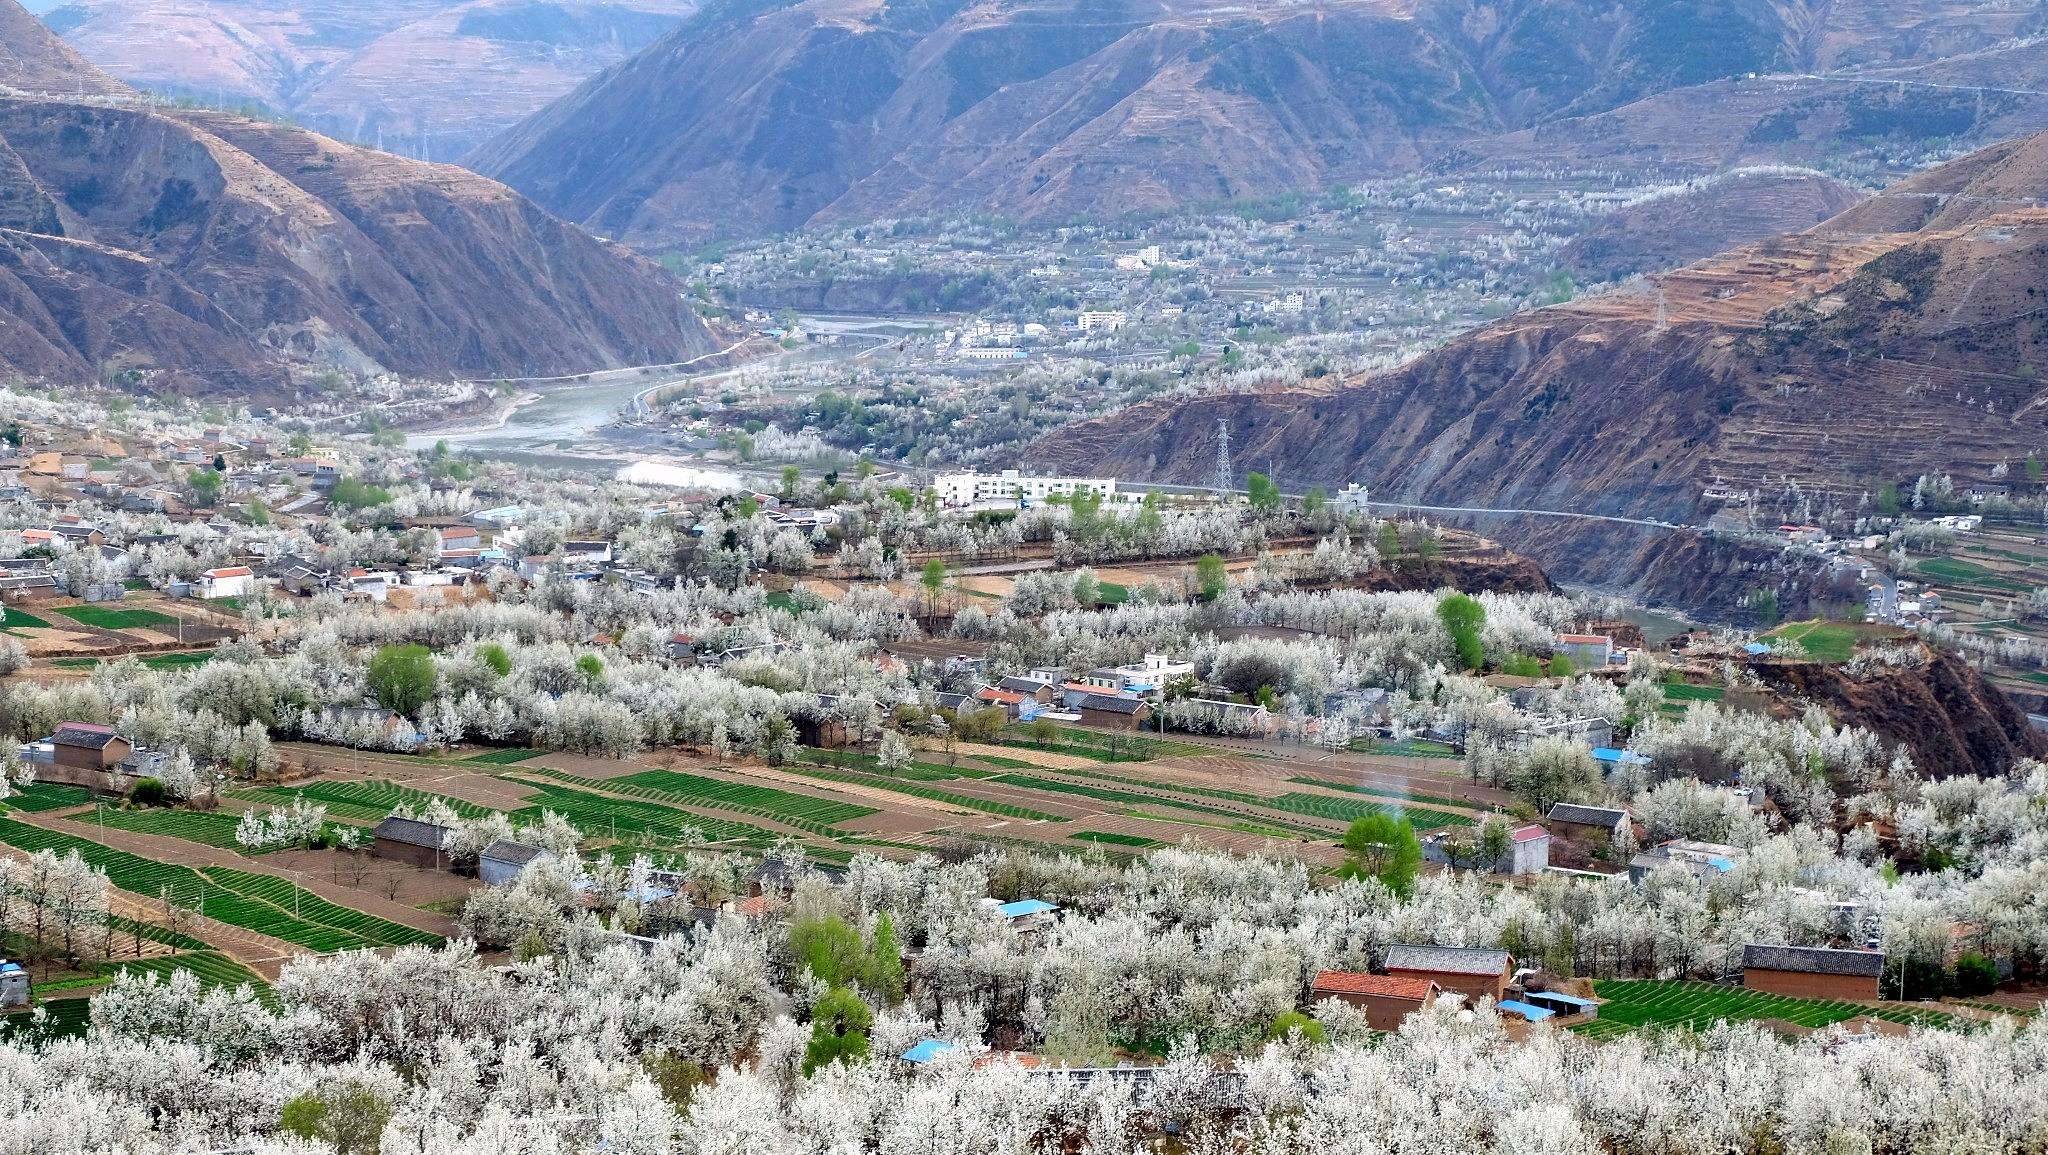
(1839, 358)
(203, 251)
(1710, 216)
(34, 61)
(768, 115)
(423, 77)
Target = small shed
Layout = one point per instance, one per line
(1475, 972)
(1812, 972)
(14, 984)
(503, 860)
(1597, 824)
(1560, 1003)
(926, 1051)
(1385, 999)
(410, 840)
(1528, 1012)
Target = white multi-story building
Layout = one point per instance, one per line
(1101, 320)
(1008, 487)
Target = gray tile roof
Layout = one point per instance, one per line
(1108, 704)
(1455, 960)
(1813, 960)
(516, 853)
(411, 832)
(1588, 815)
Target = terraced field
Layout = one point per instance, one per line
(370, 801)
(597, 816)
(209, 828)
(1641, 1004)
(258, 902)
(764, 801)
(915, 790)
(110, 618)
(40, 796)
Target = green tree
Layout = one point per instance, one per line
(300, 445)
(256, 512)
(791, 475)
(1463, 618)
(1265, 496)
(1087, 591)
(1887, 500)
(1521, 666)
(1288, 1022)
(2034, 470)
(591, 667)
(1560, 666)
(1496, 842)
(402, 678)
(494, 658)
(933, 579)
(839, 1029)
(884, 975)
(352, 493)
(828, 948)
(349, 1117)
(1383, 847)
(205, 485)
(1211, 577)
(1390, 541)
(1314, 501)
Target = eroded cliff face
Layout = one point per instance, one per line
(1938, 708)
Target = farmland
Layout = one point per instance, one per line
(109, 618)
(1633, 1005)
(1827, 641)
(207, 827)
(369, 801)
(259, 902)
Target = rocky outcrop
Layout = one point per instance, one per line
(1939, 708)
(198, 251)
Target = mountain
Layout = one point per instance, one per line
(765, 115)
(200, 251)
(1692, 222)
(1899, 338)
(428, 78)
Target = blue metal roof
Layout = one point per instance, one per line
(1026, 906)
(1610, 754)
(1569, 1000)
(1756, 648)
(1534, 1014)
(1724, 865)
(926, 1051)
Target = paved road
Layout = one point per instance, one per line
(1467, 509)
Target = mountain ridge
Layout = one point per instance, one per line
(198, 251)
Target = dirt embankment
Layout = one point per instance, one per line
(1942, 711)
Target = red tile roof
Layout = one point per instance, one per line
(1006, 697)
(1585, 639)
(1386, 986)
(230, 571)
(1529, 833)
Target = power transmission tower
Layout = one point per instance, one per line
(1224, 474)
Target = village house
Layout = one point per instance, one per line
(1110, 711)
(411, 841)
(1600, 825)
(502, 861)
(228, 582)
(1385, 999)
(1475, 972)
(1812, 972)
(93, 756)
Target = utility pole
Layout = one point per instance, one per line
(1224, 474)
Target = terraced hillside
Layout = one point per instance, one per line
(1897, 339)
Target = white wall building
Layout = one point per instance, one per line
(1101, 320)
(959, 490)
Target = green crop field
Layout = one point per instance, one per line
(598, 816)
(1110, 838)
(37, 797)
(912, 789)
(212, 968)
(258, 902)
(1826, 641)
(1387, 794)
(1346, 810)
(1408, 748)
(915, 771)
(108, 618)
(370, 801)
(1682, 692)
(1637, 1004)
(14, 619)
(504, 757)
(763, 801)
(209, 827)
(1157, 804)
